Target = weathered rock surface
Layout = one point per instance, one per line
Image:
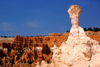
(79, 50)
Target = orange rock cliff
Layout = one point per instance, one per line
(27, 51)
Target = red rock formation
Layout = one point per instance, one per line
(1, 51)
(32, 55)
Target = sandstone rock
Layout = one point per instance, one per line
(79, 50)
(51, 34)
(66, 34)
(55, 34)
(39, 52)
(1, 51)
(5, 51)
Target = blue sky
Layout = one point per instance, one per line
(41, 17)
